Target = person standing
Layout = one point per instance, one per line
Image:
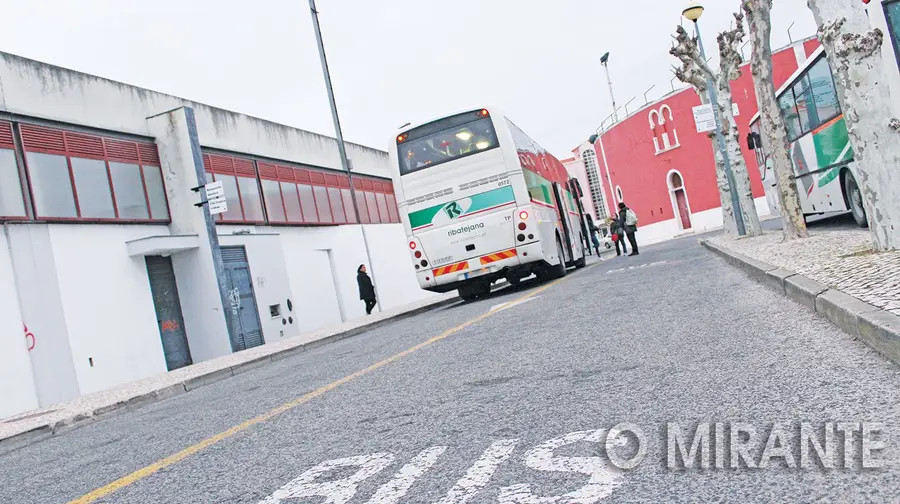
(629, 224)
(366, 288)
(594, 239)
(617, 229)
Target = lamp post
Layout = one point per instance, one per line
(603, 61)
(345, 163)
(692, 13)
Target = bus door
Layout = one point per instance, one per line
(579, 207)
(561, 207)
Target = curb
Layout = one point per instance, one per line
(42, 432)
(875, 327)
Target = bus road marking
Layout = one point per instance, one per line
(161, 464)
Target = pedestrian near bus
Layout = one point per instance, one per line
(594, 239)
(366, 288)
(617, 229)
(629, 224)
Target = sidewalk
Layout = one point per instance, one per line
(34, 425)
(833, 272)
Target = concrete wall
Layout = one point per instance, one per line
(49, 92)
(108, 305)
(17, 390)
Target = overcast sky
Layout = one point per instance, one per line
(392, 61)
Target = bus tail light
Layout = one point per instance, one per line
(522, 226)
(523, 215)
(412, 245)
(418, 254)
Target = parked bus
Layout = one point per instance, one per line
(820, 149)
(481, 201)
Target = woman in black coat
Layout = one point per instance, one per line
(366, 289)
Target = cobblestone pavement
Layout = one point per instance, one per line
(835, 255)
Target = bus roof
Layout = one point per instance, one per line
(790, 80)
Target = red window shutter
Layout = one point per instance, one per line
(220, 164)
(344, 182)
(6, 136)
(207, 164)
(368, 185)
(301, 175)
(317, 178)
(331, 180)
(149, 154)
(267, 171)
(244, 167)
(358, 184)
(36, 138)
(118, 150)
(285, 173)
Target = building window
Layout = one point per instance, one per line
(619, 195)
(293, 195)
(75, 176)
(11, 203)
(892, 15)
(238, 177)
(595, 185)
(662, 125)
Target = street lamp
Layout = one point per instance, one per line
(603, 60)
(692, 13)
(342, 151)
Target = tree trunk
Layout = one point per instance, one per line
(854, 53)
(736, 157)
(773, 127)
(728, 222)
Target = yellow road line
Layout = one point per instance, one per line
(193, 449)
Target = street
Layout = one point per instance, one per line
(468, 403)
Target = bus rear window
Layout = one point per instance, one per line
(445, 140)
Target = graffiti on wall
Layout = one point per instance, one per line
(234, 295)
(29, 338)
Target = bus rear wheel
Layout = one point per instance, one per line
(854, 200)
(559, 270)
(581, 262)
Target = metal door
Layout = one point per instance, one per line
(242, 301)
(168, 312)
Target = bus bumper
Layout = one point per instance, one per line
(487, 268)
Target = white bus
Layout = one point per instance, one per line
(481, 201)
(820, 149)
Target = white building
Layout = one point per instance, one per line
(109, 273)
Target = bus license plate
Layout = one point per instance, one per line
(475, 273)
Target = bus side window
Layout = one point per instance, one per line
(789, 111)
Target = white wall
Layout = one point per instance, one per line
(271, 284)
(701, 222)
(17, 389)
(107, 303)
(40, 303)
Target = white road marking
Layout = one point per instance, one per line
(480, 473)
(510, 304)
(337, 491)
(629, 268)
(604, 478)
(394, 490)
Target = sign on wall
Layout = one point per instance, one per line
(215, 196)
(704, 118)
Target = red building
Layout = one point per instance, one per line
(656, 162)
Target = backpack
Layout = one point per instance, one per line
(630, 218)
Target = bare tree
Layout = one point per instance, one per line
(773, 127)
(854, 53)
(695, 71)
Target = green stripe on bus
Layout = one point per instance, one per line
(462, 207)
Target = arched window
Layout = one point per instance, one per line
(619, 195)
(665, 137)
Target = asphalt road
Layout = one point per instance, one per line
(510, 405)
